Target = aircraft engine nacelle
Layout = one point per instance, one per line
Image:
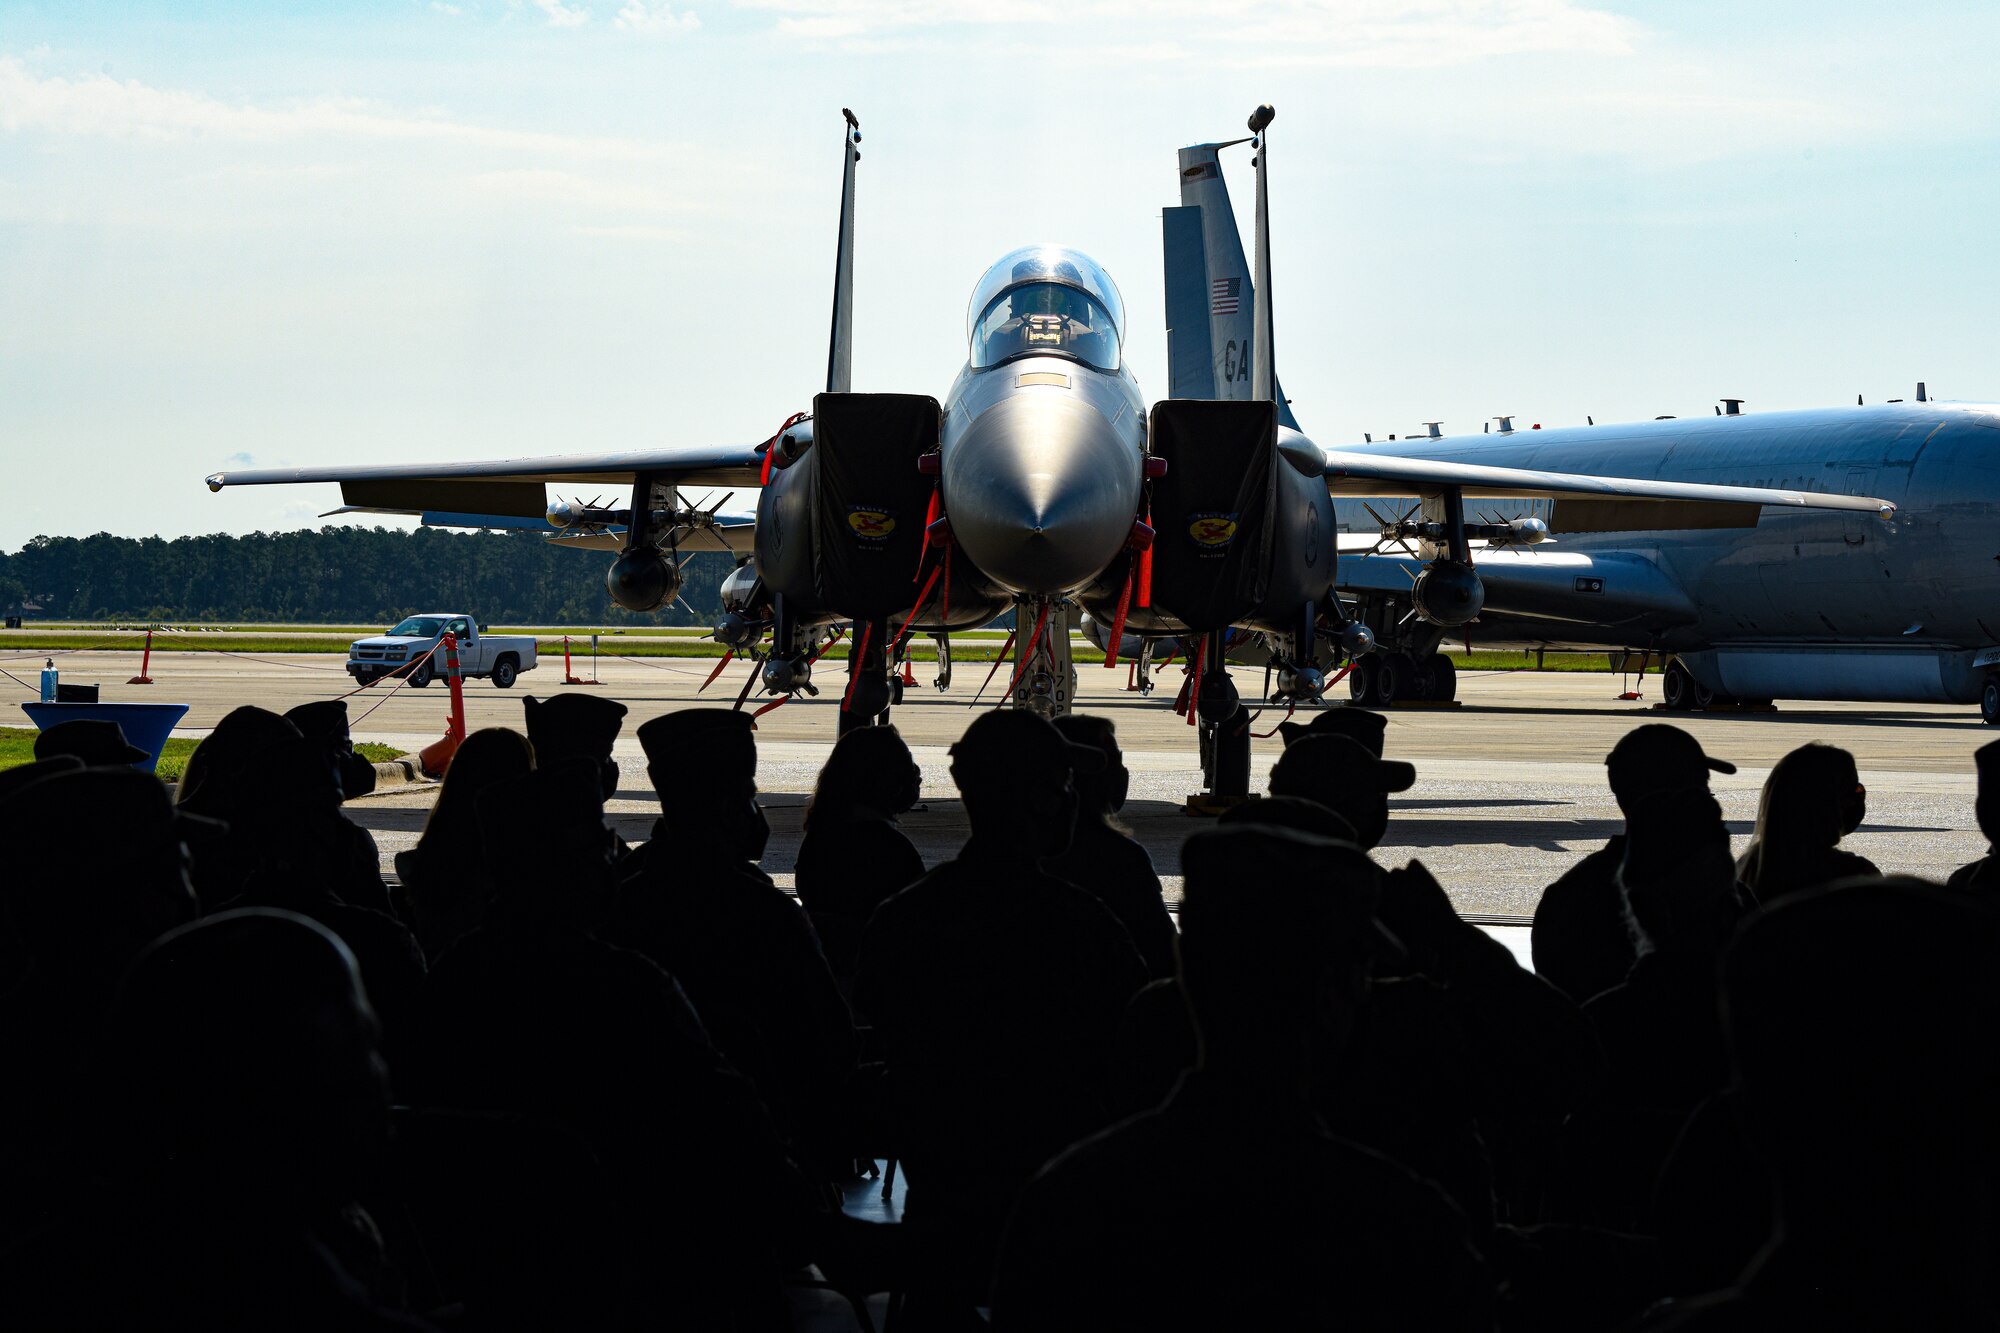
(1243, 530)
(642, 580)
(1448, 593)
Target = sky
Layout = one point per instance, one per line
(239, 234)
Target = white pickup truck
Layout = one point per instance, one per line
(501, 658)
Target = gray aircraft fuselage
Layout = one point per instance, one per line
(1805, 604)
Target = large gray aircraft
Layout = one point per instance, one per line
(1043, 483)
(1746, 602)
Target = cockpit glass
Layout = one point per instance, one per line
(1045, 317)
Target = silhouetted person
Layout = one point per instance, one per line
(996, 990)
(576, 726)
(1581, 942)
(693, 901)
(1659, 1029)
(240, 1097)
(326, 720)
(26, 775)
(1812, 800)
(1340, 774)
(1983, 875)
(445, 885)
(1860, 1023)
(531, 1013)
(1231, 1205)
(1365, 728)
(853, 858)
(1105, 861)
(96, 870)
(97, 742)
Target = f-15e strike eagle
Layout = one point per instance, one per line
(1044, 483)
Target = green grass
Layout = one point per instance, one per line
(17, 747)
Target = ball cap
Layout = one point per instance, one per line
(1663, 756)
(98, 742)
(1009, 743)
(1357, 724)
(717, 741)
(1323, 763)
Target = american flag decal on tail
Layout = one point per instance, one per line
(1222, 296)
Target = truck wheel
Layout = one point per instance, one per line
(1989, 702)
(504, 672)
(421, 676)
(1677, 688)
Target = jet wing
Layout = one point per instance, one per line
(515, 487)
(1350, 473)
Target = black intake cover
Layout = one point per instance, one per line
(869, 500)
(1212, 512)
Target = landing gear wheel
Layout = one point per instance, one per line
(1397, 680)
(1677, 688)
(421, 676)
(1705, 698)
(895, 690)
(1440, 678)
(1361, 680)
(1989, 702)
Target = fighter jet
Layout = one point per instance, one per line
(1042, 483)
(1745, 603)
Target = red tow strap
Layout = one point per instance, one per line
(1028, 653)
(859, 659)
(1194, 679)
(727, 656)
(1118, 623)
(993, 670)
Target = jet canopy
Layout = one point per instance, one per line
(1046, 299)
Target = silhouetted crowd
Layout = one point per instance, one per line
(542, 1079)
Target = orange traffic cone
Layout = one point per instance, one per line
(436, 757)
(909, 676)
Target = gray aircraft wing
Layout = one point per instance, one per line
(514, 487)
(1351, 473)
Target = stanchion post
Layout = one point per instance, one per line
(569, 676)
(457, 687)
(145, 663)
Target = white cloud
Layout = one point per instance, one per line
(562, 15)
(441, 7)
(1388, 33)
(97, 105)
(655, 16)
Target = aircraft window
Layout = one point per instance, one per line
(1046, 317)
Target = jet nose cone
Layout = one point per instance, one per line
(1042, 491)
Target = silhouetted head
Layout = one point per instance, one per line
(1861, 1022)
(1657, 758)
(242, 734)
(241, 1059)
(27, 775)
(703, 764)
(869, 770)
(1290, 812)
(547, 851)
(98, 742)
(1101, 794)
(97, 859)
(1017, 775)
(326, 720)
(1987, 807)
(576, 726)
(1344, 777)
(1812, 799)
(1360, 725)
(489, 756)
(1276, 932)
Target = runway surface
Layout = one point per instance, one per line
(1510, 786)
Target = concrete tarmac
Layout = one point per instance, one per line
(1510, 785)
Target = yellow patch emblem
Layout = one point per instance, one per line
(872, 524)
(1212, 530)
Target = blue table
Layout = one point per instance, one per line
(145, 725)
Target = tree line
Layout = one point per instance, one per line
(335, 574)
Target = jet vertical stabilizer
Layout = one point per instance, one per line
(1211, 300)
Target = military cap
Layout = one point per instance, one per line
(1006, 744)
(98, 742)
(1660, 756)
(1327, 763)
(705, 740)
(89, 817)
(322, 718)
(573, 724)
(1357, 724)
(543, 816)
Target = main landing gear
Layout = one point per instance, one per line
(1383, 679)
(1682, 693)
